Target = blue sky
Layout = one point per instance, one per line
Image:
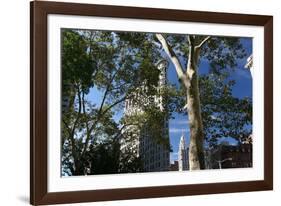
(179, 125)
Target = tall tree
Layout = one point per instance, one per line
(224, 115)
(107, 62)
(186, 52)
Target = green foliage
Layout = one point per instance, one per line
(151, 119)
(116, 64)
(122, 66)
(103, 158)
(221, 52)
(223, 114)
(77, 64)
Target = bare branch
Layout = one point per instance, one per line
(66, 158)
(203, 42)
(122, 129)
(66, 125)
(79, 113)
(189, 39)
(113, 105)
(71, 136)
(99, 116)
(100, 111)
(169, 51)
(192, 61)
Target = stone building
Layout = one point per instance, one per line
(154, 155)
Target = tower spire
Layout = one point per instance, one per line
(183, 154)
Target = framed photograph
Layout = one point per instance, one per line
(133, 103)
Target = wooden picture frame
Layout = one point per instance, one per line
(39, 10)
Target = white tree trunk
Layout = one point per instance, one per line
(190, 82)
(196, 149)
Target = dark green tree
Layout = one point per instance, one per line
(116, 64)
(223, 114)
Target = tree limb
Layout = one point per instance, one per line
(79, 113)
(66, 158)
(122, 128)
(66, 125)
(112, 105)
(190, 63)
(74, 127)
(169, 51)
(203, 42)
(100, 112)
(99, 115)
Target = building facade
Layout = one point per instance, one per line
(142, 143)
(174, 166)
(183, 155)
(249, 64)
(229, 156)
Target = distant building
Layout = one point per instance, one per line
(174, 166)
(154, 155)
(183, 155)
(249, 64)
(68, 96)
(229, 156)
